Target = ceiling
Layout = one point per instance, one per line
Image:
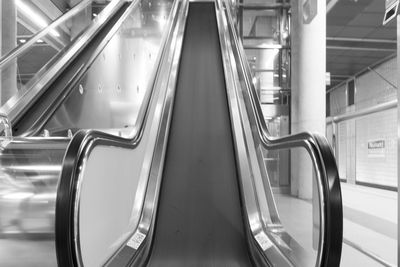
(356, 38)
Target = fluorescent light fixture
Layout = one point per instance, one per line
(34, 16)
(22, 41)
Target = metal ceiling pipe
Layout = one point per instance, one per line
(363, 40)
(376, 49)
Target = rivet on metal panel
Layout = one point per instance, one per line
(150, 55)
(99, 88)
(137, 89)
(81, 89)
(118, 88)
(134, 56)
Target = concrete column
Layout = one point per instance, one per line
(8, 41)
(308, 90)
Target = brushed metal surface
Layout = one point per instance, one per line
(29, 175)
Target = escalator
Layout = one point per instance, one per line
(203, 205)
(168, 175)
(199, 220)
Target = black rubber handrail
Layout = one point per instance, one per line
(80, 147)
(321, 155)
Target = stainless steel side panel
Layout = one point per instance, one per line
(29, 175)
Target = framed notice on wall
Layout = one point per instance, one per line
(376, 148)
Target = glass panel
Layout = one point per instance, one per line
(261, 24)
(265, 33)
(29, 18)
(116, 82)
(298, 208)
(277, 161)
(264, 64)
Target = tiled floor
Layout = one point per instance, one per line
(370, 221)
(34, 253)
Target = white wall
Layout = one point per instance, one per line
(356, 162)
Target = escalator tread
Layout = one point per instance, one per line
(199, 218)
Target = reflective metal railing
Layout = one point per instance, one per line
(42, 34)
(315, 241)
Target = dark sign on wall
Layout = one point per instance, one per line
(377, 144)
(391, 9)
(376, 148)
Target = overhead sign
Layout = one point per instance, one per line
(391, 9)
(310, 10)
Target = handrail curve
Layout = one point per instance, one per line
(78, 151)
(322, 157)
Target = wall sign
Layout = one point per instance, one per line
(376, 148)
(391, 9)
(310, 10)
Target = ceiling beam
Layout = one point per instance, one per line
(361, 40)
(48, 8)
(255, 6)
